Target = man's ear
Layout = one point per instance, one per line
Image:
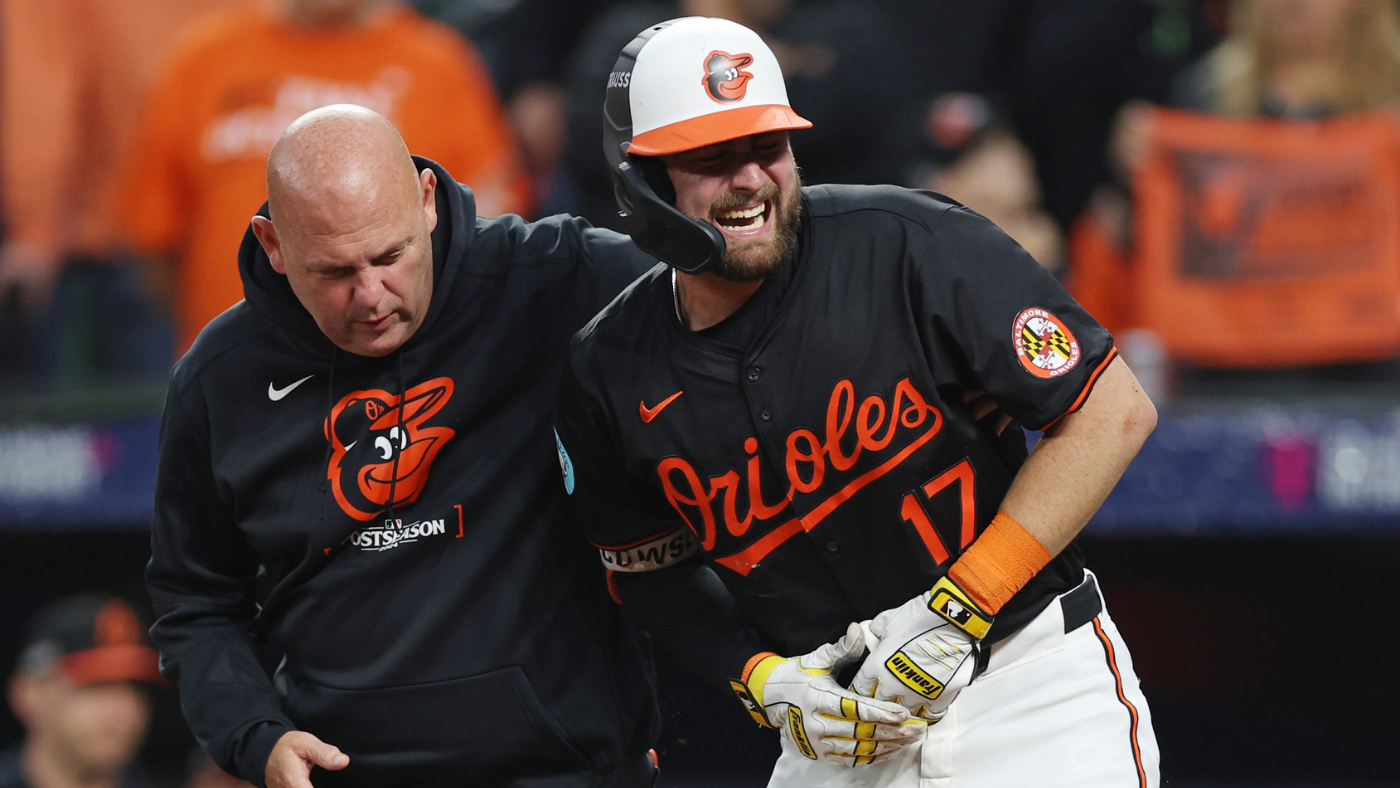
(267, 236)
(427, 181)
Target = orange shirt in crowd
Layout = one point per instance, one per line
(73, 78)
(197, 173)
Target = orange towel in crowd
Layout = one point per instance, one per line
(197, 173)
(1270, 243)
(75, 75)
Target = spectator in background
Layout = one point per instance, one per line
(73, 76)
(196, 174)
(1070, 65)
(971, 155)
(1303, 59)
(76, 691)
(844, 73)
(538, 113)
(1300, 59)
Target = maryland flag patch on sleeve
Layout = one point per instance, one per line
(1044, 346)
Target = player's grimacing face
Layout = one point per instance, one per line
(749, 189)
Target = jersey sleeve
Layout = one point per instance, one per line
(1006, 323)
(634, 531)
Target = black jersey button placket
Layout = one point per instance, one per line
(754, 374)
(766, 414)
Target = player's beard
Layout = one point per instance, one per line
(757, 261)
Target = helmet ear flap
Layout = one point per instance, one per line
(655, 173)
(656, 226)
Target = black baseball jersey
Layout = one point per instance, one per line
(827, 465)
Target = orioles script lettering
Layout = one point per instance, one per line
(810, 461)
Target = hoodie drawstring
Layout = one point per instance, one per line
(401, 438)
(330, 427)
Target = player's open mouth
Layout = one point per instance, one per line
(745, 219)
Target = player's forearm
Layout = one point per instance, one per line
(691, 616)
(1075, 466)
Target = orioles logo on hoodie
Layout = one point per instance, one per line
(381, 446)
(725, 80)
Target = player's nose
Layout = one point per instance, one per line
(750, 177)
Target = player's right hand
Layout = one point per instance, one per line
(817, 717)
(924, 652)
(293, 757)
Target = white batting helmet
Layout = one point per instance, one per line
(680, 85)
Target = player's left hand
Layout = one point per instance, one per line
(817, 717)
(923, 652)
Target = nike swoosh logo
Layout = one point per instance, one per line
(650, 413)
(276, 394)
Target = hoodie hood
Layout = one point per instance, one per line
(269, 293)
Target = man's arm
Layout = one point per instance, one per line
(201, 579)
(1078, 462)
(610, 263)
(1038, 355)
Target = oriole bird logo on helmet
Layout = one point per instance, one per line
(725, 80)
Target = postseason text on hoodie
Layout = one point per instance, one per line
(379, 550)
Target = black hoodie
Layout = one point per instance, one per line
(379, 550)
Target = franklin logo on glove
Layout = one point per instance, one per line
(906, 671)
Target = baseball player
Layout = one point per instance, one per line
(778, 445)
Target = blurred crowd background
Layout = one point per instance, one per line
(1218, 181)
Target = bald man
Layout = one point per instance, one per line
(363, 568)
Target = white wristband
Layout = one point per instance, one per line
(663, 551)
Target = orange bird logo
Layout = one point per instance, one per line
(381, 446)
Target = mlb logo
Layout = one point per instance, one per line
(956, 612)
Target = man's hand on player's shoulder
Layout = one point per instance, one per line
(295, 755)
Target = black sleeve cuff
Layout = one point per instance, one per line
(250, 761)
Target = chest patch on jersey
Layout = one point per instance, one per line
(383, 446)
(1044, 346)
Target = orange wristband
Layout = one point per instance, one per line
(1002, 560)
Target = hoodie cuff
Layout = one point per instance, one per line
(258, 741)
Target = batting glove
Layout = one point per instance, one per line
(816, 716)
(923, 652)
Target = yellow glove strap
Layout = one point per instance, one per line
(759, 676)
(948, 600)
